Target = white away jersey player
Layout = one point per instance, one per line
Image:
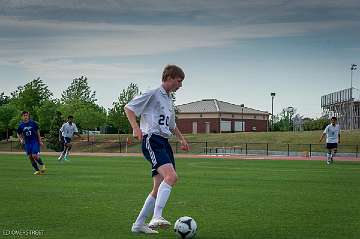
(67, 130)
(332, 134)
(157, 112)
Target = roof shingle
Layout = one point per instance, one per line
(215, 106)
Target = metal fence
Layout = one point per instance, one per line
(203, 147)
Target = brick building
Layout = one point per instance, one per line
(214, 116)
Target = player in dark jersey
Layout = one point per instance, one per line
(29, 135)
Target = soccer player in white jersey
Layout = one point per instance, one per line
(66, 133)
(332, 133)
(157, 125)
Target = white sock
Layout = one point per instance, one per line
(328, 156)
(161, 199)
(146, 210)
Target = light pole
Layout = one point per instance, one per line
(353, 67)
(242, 117)
(272, 109)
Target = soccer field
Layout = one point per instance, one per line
(100, 197)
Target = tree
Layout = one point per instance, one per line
(284, 121)
(30, 96)
(79, 101)
(79, 90)
(315, 124)
(90, 117)
(46, 113)
(8, 113)
(4, 99)
(86, 115)
(53, 138)
(117, 116)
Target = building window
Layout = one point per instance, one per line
(225, 126)
(207, 127)
(239, 126)
(194, 127)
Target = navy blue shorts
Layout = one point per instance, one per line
(157, 151)
(32, 148)
(66, 140)
(331, 145)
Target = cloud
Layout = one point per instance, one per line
(165, 5)
(54, 39)
(67, 69)
(200, 12)
(107, 79)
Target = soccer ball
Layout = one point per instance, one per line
(185, 227)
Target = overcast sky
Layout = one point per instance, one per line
(235, 51)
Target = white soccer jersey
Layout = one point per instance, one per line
(156, 110)
(332, 133)
(68, 130)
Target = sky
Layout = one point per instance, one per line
(231, 50)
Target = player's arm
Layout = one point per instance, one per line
(322, 137)
(324, 134)
(39, 137)
(181, 138)
(20, 134)
(134, 109)
(134, 125)
(21, 138)
(76, 132)
(60, 132)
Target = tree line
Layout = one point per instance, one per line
(289, 120)
(50, 113)
(80, 101)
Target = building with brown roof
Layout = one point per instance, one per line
(214, 116)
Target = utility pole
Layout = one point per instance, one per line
(272, 109)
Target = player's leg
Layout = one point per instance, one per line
(167, 171)
(334, 151)
(149, 204)
(139, 226)
(166, 168)
(34, 164)
(328, 155)
(35, 151)
(69, 146)
(28, 150)
(64, 147)
(38, 159)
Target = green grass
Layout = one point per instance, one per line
(99, 197)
